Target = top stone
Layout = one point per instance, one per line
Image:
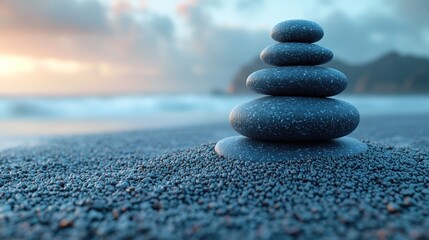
(297, 31)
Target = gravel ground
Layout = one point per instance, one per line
(169, 184)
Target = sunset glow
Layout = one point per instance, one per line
(75, 47)
(14, 65)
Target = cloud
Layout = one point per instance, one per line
(129, 44)
(215, 52)
(138, 46)
(351, 40)
(56, 16)
(249, 4)
(121, 7)
(415, 11)
(80, 30)
(372, 34)
(196, 12)
(113, 47)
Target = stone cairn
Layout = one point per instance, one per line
(297, 120)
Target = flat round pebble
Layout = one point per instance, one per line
(275, 118)
(247, 149)
(298, 81)
(297, 31)
(289, 54)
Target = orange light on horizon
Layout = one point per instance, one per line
(23, 75)
(15, 65)
(62, 66)
(12, 65)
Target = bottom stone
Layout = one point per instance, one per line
(243, 148)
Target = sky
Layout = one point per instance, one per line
(111, 47)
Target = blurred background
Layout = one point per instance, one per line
(89, 66)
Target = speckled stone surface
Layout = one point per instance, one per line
(246, 149)
(296, 121)
(275, 118)
(298, 81)
(289, 54)
(297, 31)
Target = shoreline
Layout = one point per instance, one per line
(399, 129)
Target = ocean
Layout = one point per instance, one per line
(48, 116)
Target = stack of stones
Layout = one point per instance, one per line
(297, 120)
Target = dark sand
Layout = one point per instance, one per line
(169, 184)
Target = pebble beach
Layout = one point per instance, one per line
(170, 184)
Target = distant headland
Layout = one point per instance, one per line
(392, 73)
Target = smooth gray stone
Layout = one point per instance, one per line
(311, 81)
(246, 149)
(297, 31)
(275, 118)
(290, 54)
